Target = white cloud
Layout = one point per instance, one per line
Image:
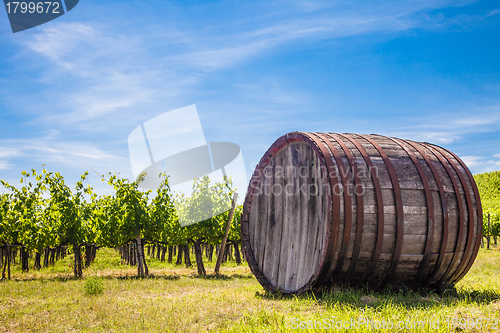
(66, 153)
(481, 164)
(64, 42)
(4, 165)
(8, 152)
(309, 6)
(118, 72)
(429, 136)
(99, 79)
(471, 161)
(91, 74)
(271, 92)
(447, 127)
(214, 52)
(493, 13)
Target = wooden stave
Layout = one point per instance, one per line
(264, 280)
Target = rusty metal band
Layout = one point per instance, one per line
(470, 209)
(461, 225)
(245, 231)
(359, 207)
(380, 209)
(347, 203)
(430, 209)
(479, 216)
(399, 212)
(444, 208)
(327, 268)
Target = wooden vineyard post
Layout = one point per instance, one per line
(489, 232)
(77, 269)
(8, 260)
(140, 267)
(146, 269)
(224, 239)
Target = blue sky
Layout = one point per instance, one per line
(72, 90)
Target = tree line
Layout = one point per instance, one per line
(489, 190)
(44, 216)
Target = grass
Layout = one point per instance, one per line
(175, 299)
(94, 286)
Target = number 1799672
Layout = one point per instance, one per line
(32, 7)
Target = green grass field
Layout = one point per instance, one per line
(109, 298)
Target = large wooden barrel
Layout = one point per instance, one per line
(365, 210)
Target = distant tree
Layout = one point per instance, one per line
(131, 213)
(489, 191)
